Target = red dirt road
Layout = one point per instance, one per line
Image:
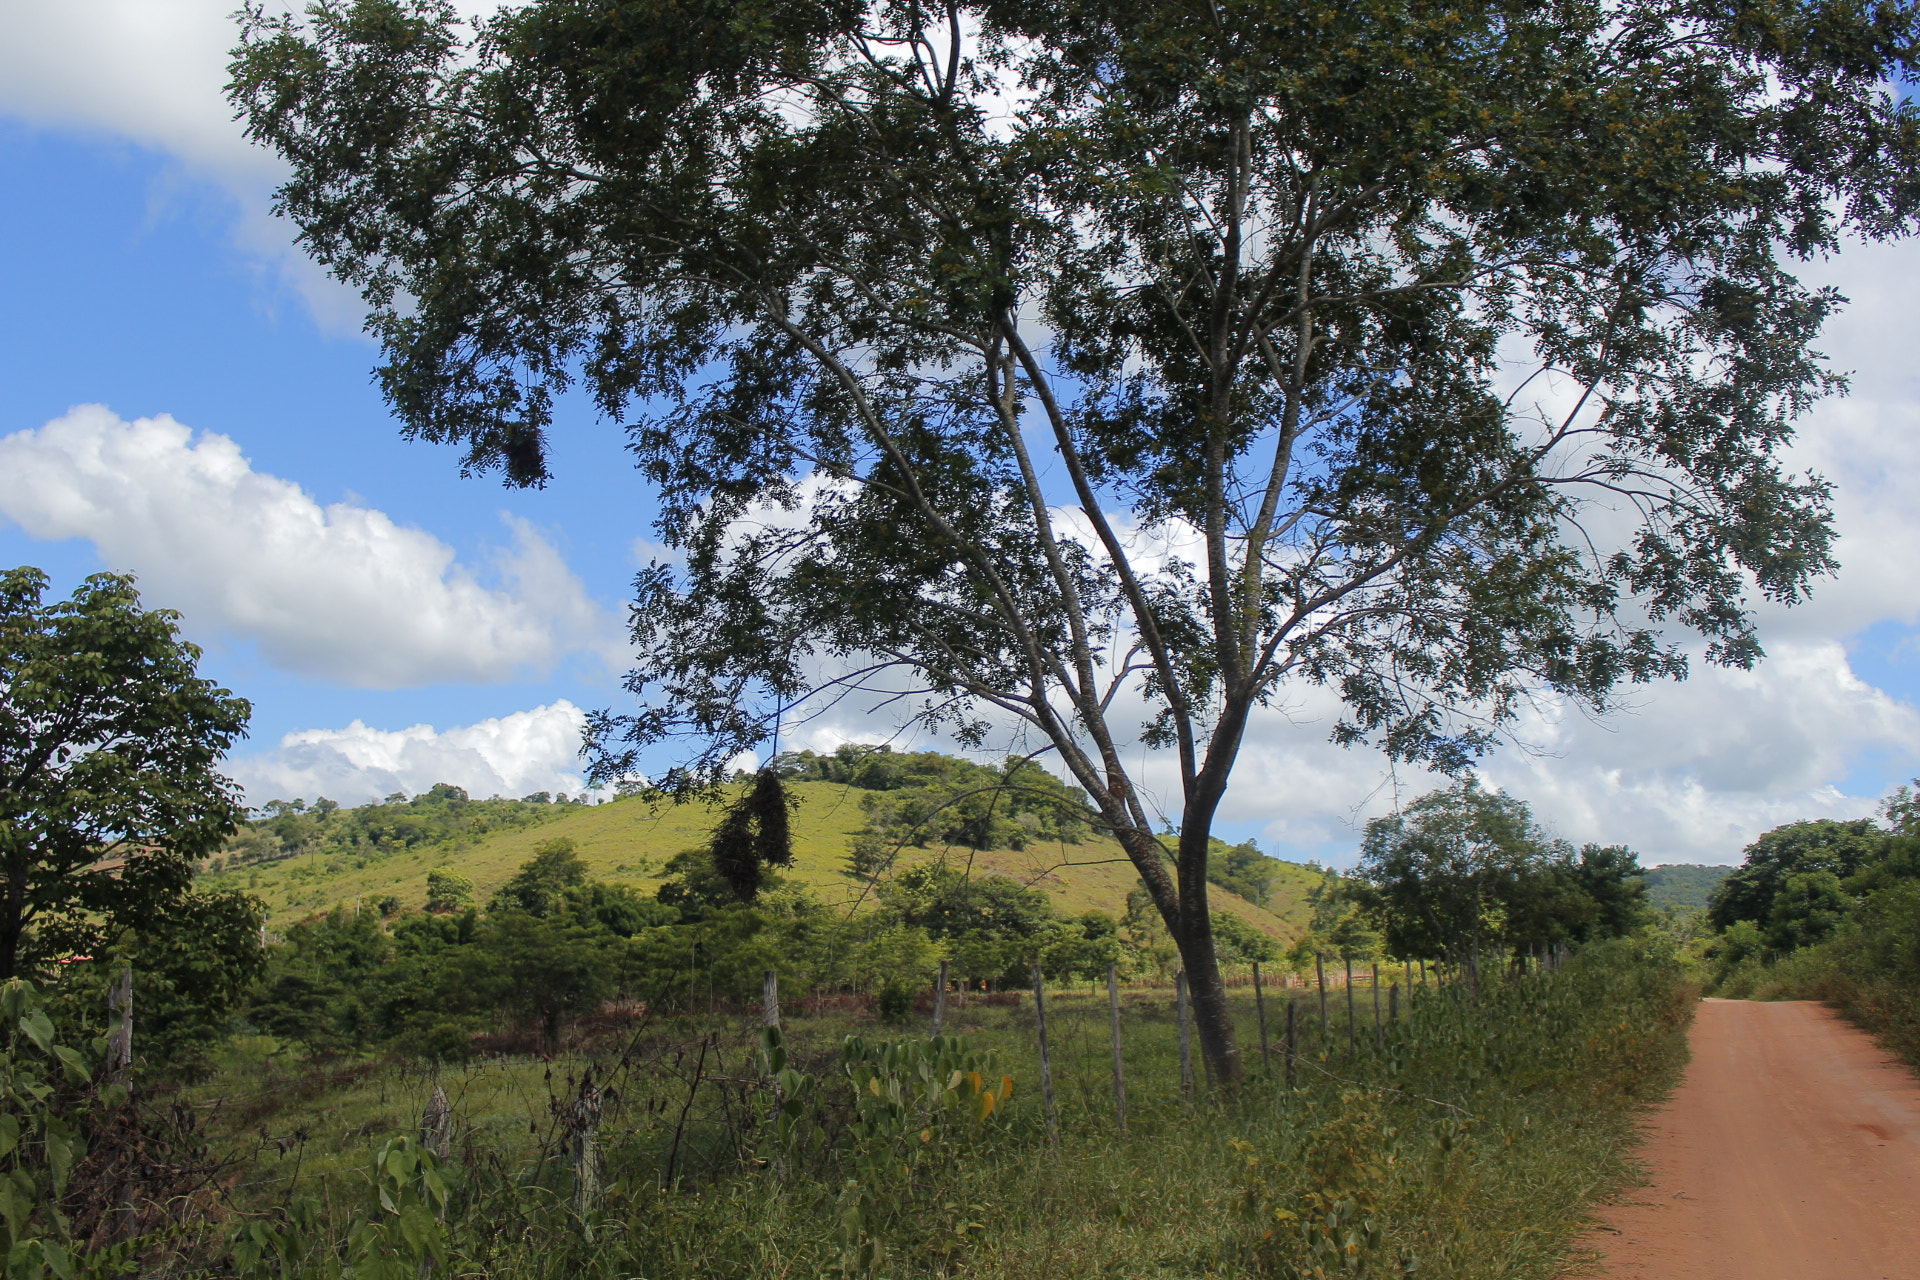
(1791, 1151)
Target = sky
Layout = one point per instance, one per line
(184, 397)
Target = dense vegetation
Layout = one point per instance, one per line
(928, 798)
(1683, 886)
(1828, 910)
(1459, 1139)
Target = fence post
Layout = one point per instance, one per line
(436, 1124)
(1260, 1008)
(586, 1161)
(940, 1000)
(770, 998)
(1393, 1002)
(1320, 976)
(1293, 1038)
(1186, 1033)
(1353, 1045)
(1379, 1034)
(1046, 1063)
(1119, 1076)
(120, 1024)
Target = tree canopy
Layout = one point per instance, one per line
(1464, 868)
(1100, 373)
(1798, 848)
(110, 743)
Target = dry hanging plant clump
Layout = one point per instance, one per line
(753, 835)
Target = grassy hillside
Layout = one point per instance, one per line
(630, 841)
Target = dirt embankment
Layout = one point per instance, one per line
(1790, 1152)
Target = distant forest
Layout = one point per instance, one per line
(1683, 885)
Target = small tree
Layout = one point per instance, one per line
(1448, 872)
(448, 890)
(108, 745)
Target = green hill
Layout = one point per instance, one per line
(630, 841)
(1683, 885)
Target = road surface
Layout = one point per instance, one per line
(1791, 1151)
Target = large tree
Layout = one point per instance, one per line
(109, 790)
(1102, 371)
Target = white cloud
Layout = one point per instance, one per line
(1868, 444)
(340, 591)
(512, 755)
(1692, 773)
(154, 73)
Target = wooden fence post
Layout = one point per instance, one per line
(1379, 1033)
(1186, 1033)
(1046, 1063)
(940, 1000)
(1260, 1008)
(436, 1124)
(120, 1024)
(1353, 1045)
(770, 998)
(1320, 976)
(1119, 1076)
(585, 1159)
(1293, 1038)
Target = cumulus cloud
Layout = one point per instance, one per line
(511, 755)
(1868, 444)
(1686, 773)
(340, 591)
(154, 73)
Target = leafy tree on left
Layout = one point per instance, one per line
(109, 793)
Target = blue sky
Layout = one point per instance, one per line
(395, 624)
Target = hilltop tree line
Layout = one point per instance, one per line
(443, 814)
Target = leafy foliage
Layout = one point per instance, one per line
(1244, 870)
(1829, 910)
(1464, 868)
(194, 970)
(1839, 848)
(1683, 885)
(928, 798)
(753, 836)
(109, 790)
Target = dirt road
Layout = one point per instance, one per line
(1790, 1152)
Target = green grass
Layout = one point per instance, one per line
(630, 841)
(1472, 1144)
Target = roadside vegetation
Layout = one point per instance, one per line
(1826, 910)
(1462, 1138)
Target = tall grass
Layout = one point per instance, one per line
(1465, 1142)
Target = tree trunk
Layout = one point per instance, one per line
(1193, 935)
(1211, 1017)
(12, 929)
